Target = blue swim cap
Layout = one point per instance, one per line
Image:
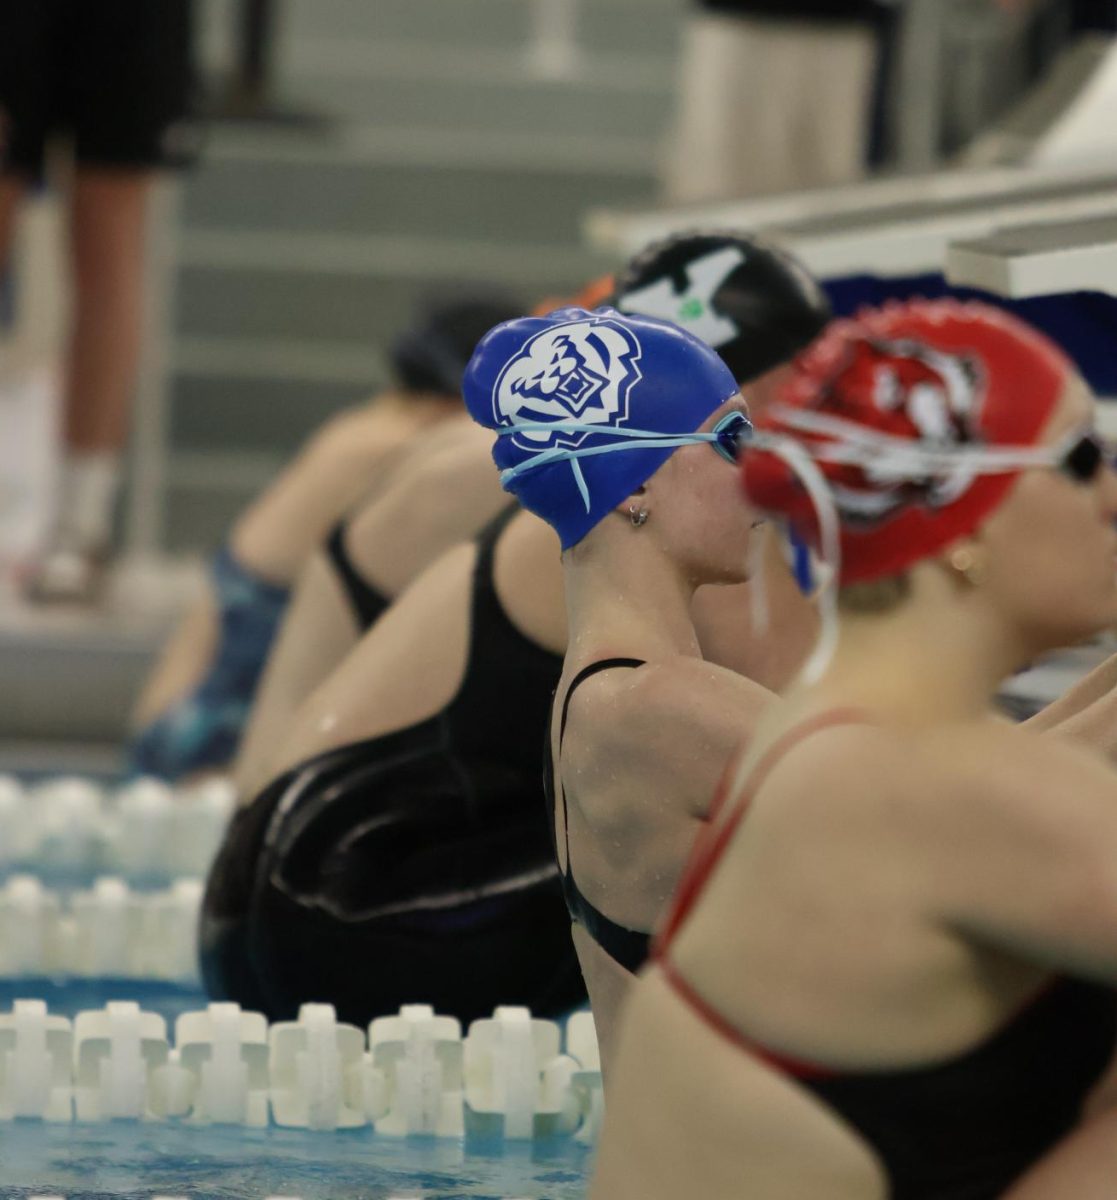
(565, 390)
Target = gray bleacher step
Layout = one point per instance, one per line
(314, 59)
(368, 308)
(73, 674)
(505, 205)
(215, 412)
(462, 24)
(374, 146)
(430, 256)
(496, 105)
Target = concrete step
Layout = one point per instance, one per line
(271, 413)
(494, 104)
(368, 307)
(623, 25)
(500, 205)
(72, 673)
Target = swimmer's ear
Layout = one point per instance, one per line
(637, 498)
(635, 506)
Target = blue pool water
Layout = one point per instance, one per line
(134, 1161)
(128, 1161)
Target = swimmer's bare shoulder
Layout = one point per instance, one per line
(669, 725)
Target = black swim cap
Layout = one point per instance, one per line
(432, 355)
(756, 305)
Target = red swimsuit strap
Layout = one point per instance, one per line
(711, 843)
(707, 853)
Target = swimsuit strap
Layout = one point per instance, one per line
(710, 846)
(366, 602)
(604, 664)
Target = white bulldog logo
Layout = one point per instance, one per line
(582, 371)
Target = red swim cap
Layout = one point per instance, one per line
(940, 374)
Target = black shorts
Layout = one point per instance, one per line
(115, 76)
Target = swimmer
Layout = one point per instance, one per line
(889, 968)
(399, 853)
(642, 726)
(436, 499)
(439, 497)
(191, 712)
(472, 649)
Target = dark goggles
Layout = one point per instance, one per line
(1085, 458)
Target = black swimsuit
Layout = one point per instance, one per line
(413, 867)
(629, 947)
(966, 1127)
(367, 602)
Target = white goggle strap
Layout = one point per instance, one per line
(887, 454)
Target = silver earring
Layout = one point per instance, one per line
(638, 516)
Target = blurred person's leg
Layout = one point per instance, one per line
(25, 108)
(750, 87)
(123, 88)
(108, 235)
(12, 190)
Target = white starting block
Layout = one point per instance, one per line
(35, 1056)
(17, 840)
(201, 816)
(115, 1052)
(308, 1064)
(109, 932)
(581, 1045)
(170, 933)
(218, 1073)
(420, 1057)
(29, 928)
(69, 813)
(140, 832)
(516, 1083)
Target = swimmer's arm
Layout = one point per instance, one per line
(1038, 811)
(1086, 712)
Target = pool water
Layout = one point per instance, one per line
(128, 1160)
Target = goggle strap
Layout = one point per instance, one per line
(580, 480)
(651, 441)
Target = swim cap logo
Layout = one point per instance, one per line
(582, 371)
(922, 395)
(693, 307)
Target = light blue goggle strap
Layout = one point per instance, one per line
(629, 439)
